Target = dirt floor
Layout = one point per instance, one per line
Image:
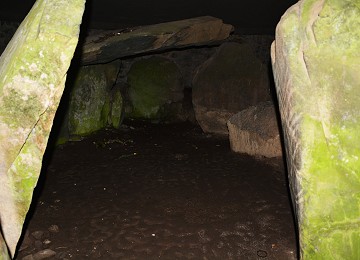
(158, 192)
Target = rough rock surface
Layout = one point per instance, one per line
(316, 67)
(233, 79)
(154, 84)
(109, 45)
(255, 131)
(32, 74)
(90, 102)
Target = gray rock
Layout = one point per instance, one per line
(33, 71)
(188, 60)
(233, 79)
(106, 46)
(255, 131)
(90, 103)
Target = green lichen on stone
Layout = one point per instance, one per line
(153, 82)
(90, 102)
(32, 76)
(331, 184)
(322, 47)
(24, 174)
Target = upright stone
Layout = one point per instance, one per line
(316, 65)
(255, 131)
(90, 101)
(32, 75)
(232, 80)
(154, 84)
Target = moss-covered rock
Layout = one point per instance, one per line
(32, 76)
(90, 102)
(316, 65)
(153, 83)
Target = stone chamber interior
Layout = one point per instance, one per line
(134, 170)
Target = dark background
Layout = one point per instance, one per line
(248, 16)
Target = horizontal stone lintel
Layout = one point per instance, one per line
(105, 46)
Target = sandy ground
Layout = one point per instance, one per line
(158, 192)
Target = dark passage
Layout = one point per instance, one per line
(160, 192)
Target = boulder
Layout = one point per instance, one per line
(232, 80)
(32, 76)
(316, 66)
(90, 99)
(255, 131)
(153, 85)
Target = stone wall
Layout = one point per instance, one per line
(178, 105)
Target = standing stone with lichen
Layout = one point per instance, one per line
(32, 76)
(316, 65)
(90, 100)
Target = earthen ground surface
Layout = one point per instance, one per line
(159, 192)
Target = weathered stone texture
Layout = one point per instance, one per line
(32, 75)
(90, 101)
(316, 65)
(154, 84)
(233, 79)
(109, 45)
(255, 131)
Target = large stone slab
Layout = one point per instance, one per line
(109, 45)
(154, 84)
(232, 80)
(32, 75)
(316, 65)
(255, 131)
(90, 100)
